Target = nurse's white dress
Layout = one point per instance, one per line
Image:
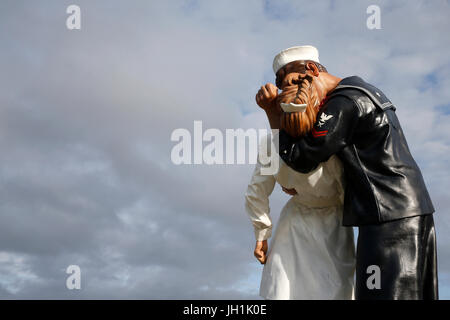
(311, 255)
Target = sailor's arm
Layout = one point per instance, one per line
(332, 131)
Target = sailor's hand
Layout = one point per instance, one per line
(261, 251)
(291, 192)
(266, 98)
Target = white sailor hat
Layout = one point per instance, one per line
(294, 54)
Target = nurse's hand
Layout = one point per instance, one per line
(261, 251)
(291, 192)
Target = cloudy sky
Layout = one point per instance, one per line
(86, 116)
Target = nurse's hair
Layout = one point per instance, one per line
(299, 124)
(298, 66)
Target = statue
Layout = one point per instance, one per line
(385, 195)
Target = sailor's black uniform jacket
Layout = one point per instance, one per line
(358, 123)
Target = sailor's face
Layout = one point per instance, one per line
(298, 98)
(291, 74)
(291, 79)
(295, 83)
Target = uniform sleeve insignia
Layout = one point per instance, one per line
(324, 118)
